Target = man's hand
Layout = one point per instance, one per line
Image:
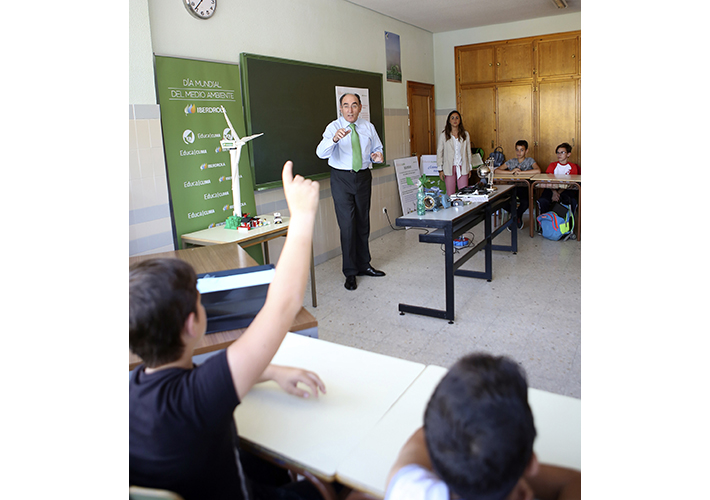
(301, 194)
(342, 132)
(288, 379)
(555, 195)
(377, 157)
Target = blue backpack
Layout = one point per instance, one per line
(556, 226)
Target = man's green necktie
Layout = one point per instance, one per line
(357, 152)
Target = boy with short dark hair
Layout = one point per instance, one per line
(477, 441)
(521, 163)
(182, 435)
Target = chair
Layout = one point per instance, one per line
(141, 493)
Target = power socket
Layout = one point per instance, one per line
(384, 210)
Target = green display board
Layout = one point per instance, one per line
(292, 102)
(191, 95)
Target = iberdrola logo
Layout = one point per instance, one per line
(190, 109)
(223, 178)
(218, 149)
(203, 166)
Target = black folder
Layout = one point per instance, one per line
(235, 307)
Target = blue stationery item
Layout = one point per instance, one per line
(232, 298)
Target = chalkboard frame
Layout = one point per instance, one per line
(271, 103)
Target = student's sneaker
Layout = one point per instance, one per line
(520, 222)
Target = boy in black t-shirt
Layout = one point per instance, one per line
(182, 435)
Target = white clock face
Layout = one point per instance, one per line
(201, 9)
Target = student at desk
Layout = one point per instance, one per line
(559, 167)
(477, 441)
(182, 435)
(521, 163)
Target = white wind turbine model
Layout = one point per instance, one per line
(235, 151)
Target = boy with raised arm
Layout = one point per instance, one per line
(477, 441)
(182, 434)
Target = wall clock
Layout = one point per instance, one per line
(201, 9)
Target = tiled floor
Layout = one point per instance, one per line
(531, 311)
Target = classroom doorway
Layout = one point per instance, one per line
(422, 121)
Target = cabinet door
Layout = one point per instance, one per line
(478, 111)
(558, 57)
(557, 120)
(515, 111)
(514, 61)
(475, 65)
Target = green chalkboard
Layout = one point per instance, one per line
(292, 102)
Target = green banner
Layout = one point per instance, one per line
(191, 95)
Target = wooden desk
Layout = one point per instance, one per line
(452, 222)
(523, 178)
(257, 236)
(557, 421)
(314, 436)
(557, 181)
(210, 259)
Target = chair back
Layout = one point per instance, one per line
(141, 493)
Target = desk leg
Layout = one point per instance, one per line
(449, 271)
(531, 209)
(265, 246)
(313, 280)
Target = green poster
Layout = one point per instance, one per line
(191, 95)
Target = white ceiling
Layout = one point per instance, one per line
(438, 16)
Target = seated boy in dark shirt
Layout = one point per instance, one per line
(182, 435)
(477, 441)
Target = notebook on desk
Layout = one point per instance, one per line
(232, 298)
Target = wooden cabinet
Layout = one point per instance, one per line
(514, 61)
(525, 88)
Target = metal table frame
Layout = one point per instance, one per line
(451, 223)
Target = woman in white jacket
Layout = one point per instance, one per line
(453, 156)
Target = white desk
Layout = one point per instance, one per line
(367, 467)
(318, 434)
(557, 421)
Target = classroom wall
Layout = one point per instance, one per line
(444, 43)
(308, 30)
(150, 226)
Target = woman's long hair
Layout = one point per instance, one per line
(447, 128)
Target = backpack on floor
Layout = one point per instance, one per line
(557, 224)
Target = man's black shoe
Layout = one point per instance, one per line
(350, 283)
(370, 271)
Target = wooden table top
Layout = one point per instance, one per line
(506, 175)
(209, 259)
(220, 234)
(555, 177)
